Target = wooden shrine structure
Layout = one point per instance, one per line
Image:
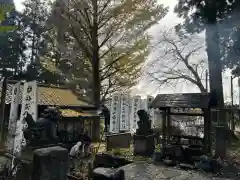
(74, 123)
(167, 102)
(76, 113)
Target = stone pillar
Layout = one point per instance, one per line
(50, 164)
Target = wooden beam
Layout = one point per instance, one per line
(186, 114)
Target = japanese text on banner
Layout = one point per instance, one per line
(136, 105)
(12, 125)
(29, 105)
(124, 116)
(115, 113)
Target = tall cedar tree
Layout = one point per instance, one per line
(12, 45)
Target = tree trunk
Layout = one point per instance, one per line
(214, 63)
(95, 69)
(95, 57)
(216, 88)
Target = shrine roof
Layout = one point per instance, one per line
(184, 100)
(74, 113)
(52, 96)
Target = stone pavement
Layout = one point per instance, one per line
(145, 171)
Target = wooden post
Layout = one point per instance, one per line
(168, 125)
(2, 108)
(164, 119)
(232, 124)
(207, 131)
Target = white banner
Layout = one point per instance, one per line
(149, 100)
(144, 104)
(125, 111)
(136, 105)
(151, 112)
(12, 124)
(115, 113)
(29, 105)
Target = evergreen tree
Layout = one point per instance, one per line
(34, 19)
(12, 46)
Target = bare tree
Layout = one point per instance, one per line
(178, 61)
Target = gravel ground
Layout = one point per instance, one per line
(145, 171)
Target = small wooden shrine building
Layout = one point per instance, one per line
(168, 102)
(76, 112)
(73, 124)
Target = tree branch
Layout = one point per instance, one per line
(172, 73)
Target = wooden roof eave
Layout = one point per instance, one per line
(184, 100)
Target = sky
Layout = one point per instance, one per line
(18, 4)
(168, 22)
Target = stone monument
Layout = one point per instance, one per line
(144, 143)
(50, 164)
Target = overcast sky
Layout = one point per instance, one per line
(168, 22)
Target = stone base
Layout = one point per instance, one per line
(121, 140)
(143, 145)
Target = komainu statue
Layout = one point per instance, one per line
(143, 140)
(42, 131)
(144, 124)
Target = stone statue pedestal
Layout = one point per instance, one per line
(144, 145)
(50, 163)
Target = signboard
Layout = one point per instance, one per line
(115, 113)
(157, 119)
(136, 105)
(124, 115)
(29, 105)
(12, 124)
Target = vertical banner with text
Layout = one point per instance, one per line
(151, 112)
(12, 124)
(115, 113)
(136, 105)
(29, 105)
(144, 104)
(124, 115)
